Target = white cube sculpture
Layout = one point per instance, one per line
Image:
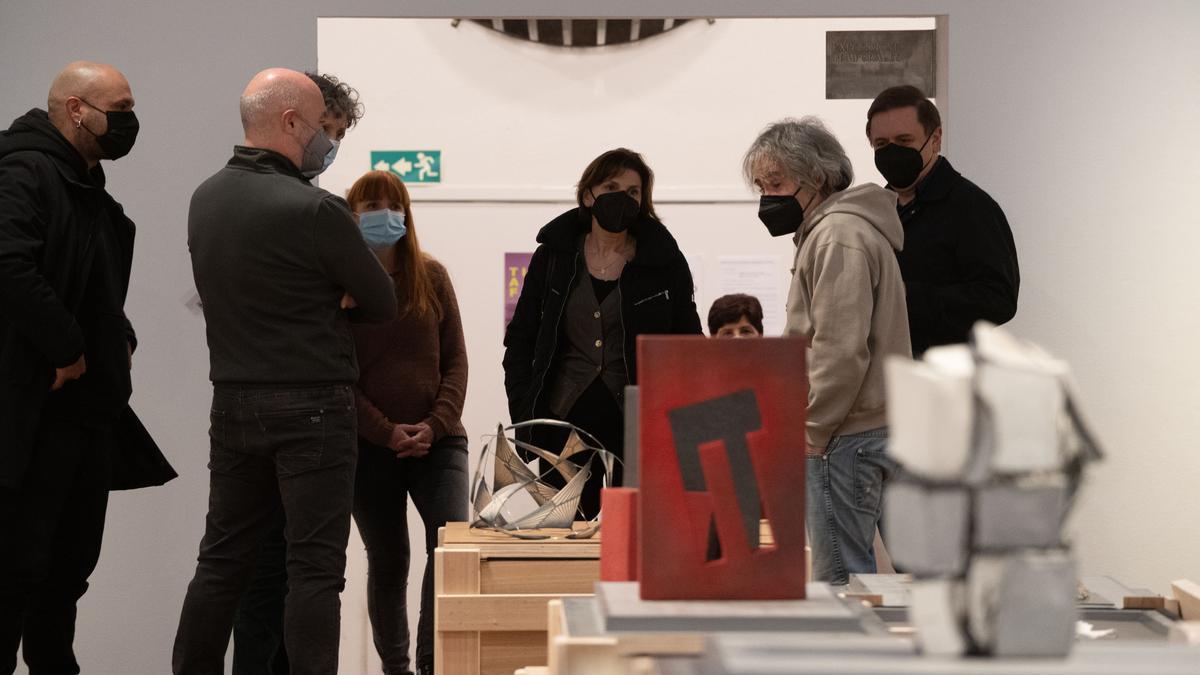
(931, 413)
(988, 435)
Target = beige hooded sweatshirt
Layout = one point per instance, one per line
(847, 300)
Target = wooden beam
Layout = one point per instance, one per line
(456, 572)
(505, 612)
(535, 576)
(1187, 592)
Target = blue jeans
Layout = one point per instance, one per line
(294, 447)
(438, 486)
(842, 505)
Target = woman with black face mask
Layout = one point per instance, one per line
(603, 273)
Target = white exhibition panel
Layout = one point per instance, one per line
(517, 122)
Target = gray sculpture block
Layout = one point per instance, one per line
(1025, 409)
(927, 528)
(621, 608)
(630, 459)
(931, 412)
(1023, 604)
(1008, 516)
(937, 612)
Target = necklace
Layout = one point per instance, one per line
(595, 259)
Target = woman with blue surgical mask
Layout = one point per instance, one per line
(412, 444)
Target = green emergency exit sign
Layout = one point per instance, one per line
(412, 166)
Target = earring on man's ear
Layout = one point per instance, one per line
(78, 122)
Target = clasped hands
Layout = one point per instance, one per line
(411, 440)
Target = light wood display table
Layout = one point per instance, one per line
(583, 641)
(492, 592)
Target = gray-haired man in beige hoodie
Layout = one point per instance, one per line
(847, 300)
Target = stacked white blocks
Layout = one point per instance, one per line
(991, 449)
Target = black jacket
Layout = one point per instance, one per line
(272, 256)
(66, 250)
(959, 261)
(657, 297)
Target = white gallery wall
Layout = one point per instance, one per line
(1077, 116)
(516, 124)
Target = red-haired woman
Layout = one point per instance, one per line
(411, 387)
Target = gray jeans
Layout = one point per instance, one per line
(270, 446)
(842, 507)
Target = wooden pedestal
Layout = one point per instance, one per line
(492, 592)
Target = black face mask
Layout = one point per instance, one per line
(122, 132)
(615, 211)
(782, 214)
(900, 164)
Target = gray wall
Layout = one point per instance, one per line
(1078, 117)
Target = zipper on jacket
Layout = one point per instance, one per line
(554, 345)
(624, 344)
(666, 294)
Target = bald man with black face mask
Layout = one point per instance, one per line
(66, 348)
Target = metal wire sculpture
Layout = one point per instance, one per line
(555, 507)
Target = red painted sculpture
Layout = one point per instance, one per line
(618, 542)
(721, 447)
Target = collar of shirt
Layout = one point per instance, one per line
(934, 186)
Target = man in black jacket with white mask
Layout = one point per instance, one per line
(959, 261)
(67, 435)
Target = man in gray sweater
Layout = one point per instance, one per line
(847, 300)
(277, 263)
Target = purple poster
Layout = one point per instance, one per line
(515, 267)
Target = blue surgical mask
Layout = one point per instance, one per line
(382, 228)
(332, 154)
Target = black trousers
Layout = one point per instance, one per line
(293, 447)
(258, 623)
(596, 412)
(51, 528)
(437, 485)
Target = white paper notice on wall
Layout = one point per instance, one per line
(759, 275)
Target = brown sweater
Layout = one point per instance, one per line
(413, 369)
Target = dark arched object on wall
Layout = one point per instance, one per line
(581, 32)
